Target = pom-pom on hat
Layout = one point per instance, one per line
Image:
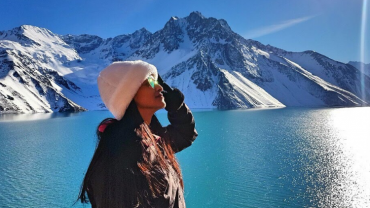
(119, 82)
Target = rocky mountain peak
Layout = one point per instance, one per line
(30, 30)
(171, 35)
(142, 31)
(224, 24)
(82, 43)
(30, 27)
(173, 22)
(197, 19)
(139, 37)
(29, 35)
(195, 16)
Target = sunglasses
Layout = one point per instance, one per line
(152, 81)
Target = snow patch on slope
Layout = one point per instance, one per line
(255, 95)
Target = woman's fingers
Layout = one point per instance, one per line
(165, 86)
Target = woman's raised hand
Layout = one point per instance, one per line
(173, 96)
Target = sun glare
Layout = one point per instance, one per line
(363, 47)
(353, 135)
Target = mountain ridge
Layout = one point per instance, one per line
(213, 66)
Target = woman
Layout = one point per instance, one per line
(134, 163)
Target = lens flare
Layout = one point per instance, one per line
(362, 48)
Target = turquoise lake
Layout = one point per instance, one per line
(287, 157)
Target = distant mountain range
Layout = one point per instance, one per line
(213, 66)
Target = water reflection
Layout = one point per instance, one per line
(351, 127)
(336, 159)
(10, 117)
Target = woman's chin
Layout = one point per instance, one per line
(160, 105)
(163, 105)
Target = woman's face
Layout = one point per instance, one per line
(150, 98)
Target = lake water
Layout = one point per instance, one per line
(289, 157)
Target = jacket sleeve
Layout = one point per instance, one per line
(181, 132)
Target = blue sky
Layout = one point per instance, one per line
(330, 27)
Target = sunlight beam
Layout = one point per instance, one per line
(363, 47)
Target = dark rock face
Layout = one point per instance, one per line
(83, 43)
(171, 35)
(60, 80)
(206, 70)
(201, 29)
(177, 70)
(224, 99)
(362, 67)
(5, 64)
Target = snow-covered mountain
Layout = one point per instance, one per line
(31, 72)
(365, 68)
(213, 66)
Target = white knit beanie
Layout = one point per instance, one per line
(119, 82)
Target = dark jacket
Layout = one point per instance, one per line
(118, 182)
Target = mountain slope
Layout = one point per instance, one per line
(31, 71)
(213, 66)
(364, 68)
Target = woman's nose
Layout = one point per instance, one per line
(158, 87)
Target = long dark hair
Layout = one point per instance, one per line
(122, 166)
